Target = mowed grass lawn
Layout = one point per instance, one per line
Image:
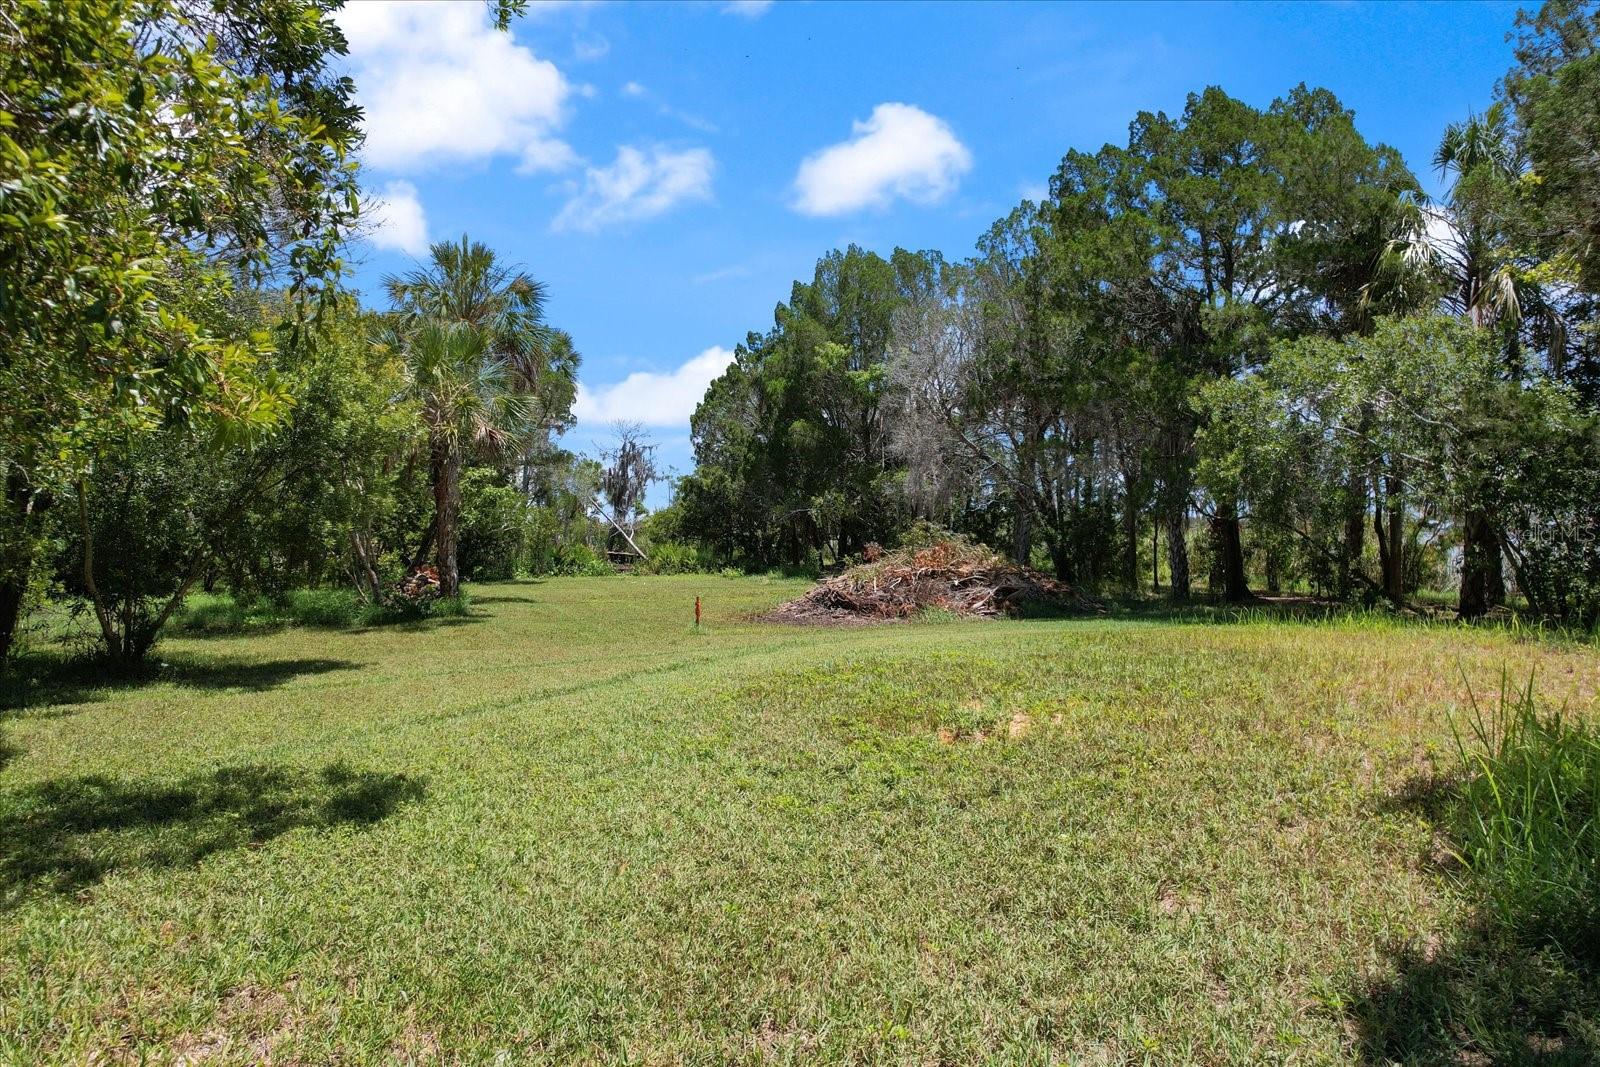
(570, 828)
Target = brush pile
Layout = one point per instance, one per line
(952, 575)
(419, 588)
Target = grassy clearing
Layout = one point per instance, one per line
(568, 827)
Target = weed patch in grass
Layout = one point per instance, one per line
(1519, 982)
(1529, 819)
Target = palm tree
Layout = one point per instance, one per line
(465, 282)
(468, 404)
(485, 368)
(1469, 246)
(1466, 244)
(1474, 237)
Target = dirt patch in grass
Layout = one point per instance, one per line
(250, 1022)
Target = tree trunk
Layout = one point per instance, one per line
(1061, 560)
(12, 592)
(20, 505)
(1022, 536)
(1178, 552)
(1395, 580)
(367, 583)
(1379, 531)
(446, 503)
(1130, 549)
(1386, 524)
(424, 545)
(849, 543)
(1230, 553)
(1355, 537)
(1482, 580)
(1155, 555)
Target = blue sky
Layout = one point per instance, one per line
(669, 169)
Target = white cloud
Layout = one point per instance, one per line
(637, 185)
(550, 155)
(738, 270)
(650, 398)
(397, 220)
(439, 82)
(589, 49)
(638, 91)
(750, 9)
(901, 151)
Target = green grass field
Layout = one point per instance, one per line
(570, 828)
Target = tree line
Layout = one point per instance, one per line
(1244, 346)
(192, 397)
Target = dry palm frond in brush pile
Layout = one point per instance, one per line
(955, 576)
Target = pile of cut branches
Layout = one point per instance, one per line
(953, 575)
(418, 589)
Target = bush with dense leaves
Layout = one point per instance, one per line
(671, 557)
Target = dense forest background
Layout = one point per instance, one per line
(1240, 353)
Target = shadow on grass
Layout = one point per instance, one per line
(1490, 993)
(1201, 608)
(38, 682)
(66, 834)
(1204, 608)
(404, 622)
(1491, 997)
(418, 625)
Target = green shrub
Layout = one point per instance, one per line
(808, 569)
(453, 607)
(335, 608)
(1528, 819)
(493, 517)
(671, 557)
(580, 561)
(227, 613)
(923, 533)
(399, 609)
(391, 613)
(224, 613)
